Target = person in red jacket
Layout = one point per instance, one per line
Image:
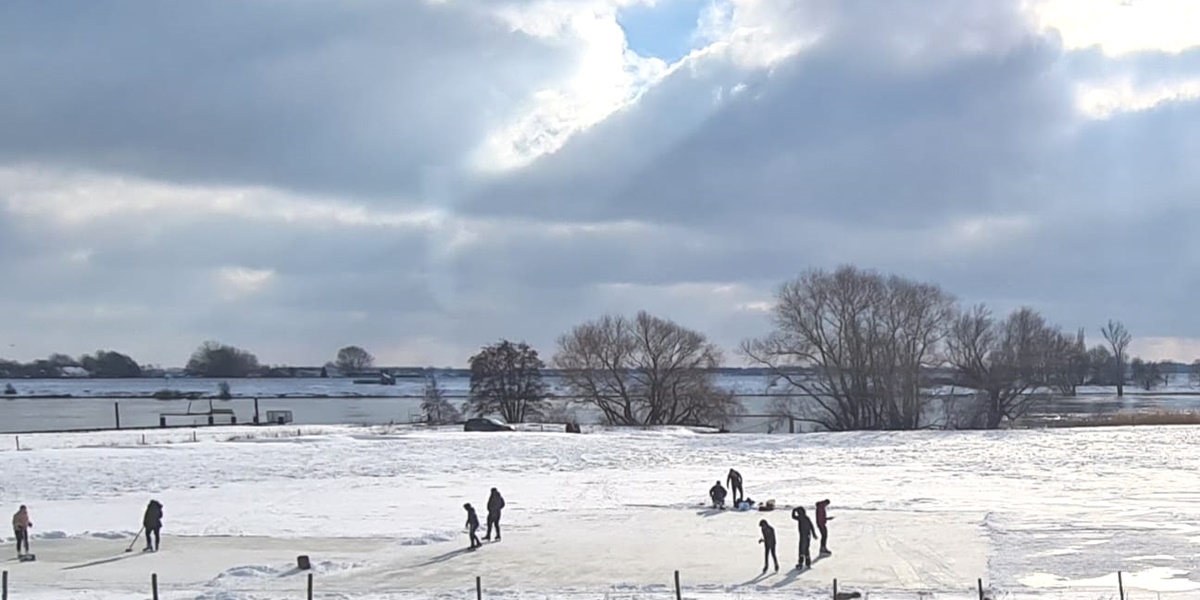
(822, 517)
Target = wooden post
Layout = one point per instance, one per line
(1120, 585)
(256, 421)
(310, 586)
(678, 592)
(154, 584)
(18, 438)
(791, 424)
(4, 587)
(979, 582)
(117, 412)
(193, 436)
(478, 588)
(835, 589)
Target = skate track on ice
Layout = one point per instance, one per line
(609, 514)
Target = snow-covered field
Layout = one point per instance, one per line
(1035, 514)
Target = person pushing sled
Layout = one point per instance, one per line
(21, 526)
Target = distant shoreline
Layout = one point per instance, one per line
(188, 396)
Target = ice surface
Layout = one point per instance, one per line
(1038, 514)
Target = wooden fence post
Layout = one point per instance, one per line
(18, 438)
(835, 588)
(117, 412)
(478, 588)
(678, 591)
(310, 586)
(1120, 585)
(4, 587)
(979, 582)
(154, 584)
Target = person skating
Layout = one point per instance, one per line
(717, 494)
(806, 533)
(734, 481)
(822, 518)
(768, 542)
(472, 526)
(21, 525)
(494, 506)
(152, 522)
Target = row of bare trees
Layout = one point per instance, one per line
(857, 350)
(851, 350)
(640, 371)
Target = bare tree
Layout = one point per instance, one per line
(1100, 363)
(437, 410)
(353, 358)
(213, 359)
(1006, 361)
(506, 379)
(1071, 366)
(644, 371)
(1148, 374)
(853, 347)
(1118, 339)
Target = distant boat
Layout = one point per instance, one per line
(383, 379)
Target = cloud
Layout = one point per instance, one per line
(422, 178)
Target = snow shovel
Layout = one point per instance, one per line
(135, 539)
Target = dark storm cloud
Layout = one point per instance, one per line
(873, 147)
(356, 98)
(828, 134)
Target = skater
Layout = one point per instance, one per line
(734, 481)
(717, 493)
(152, 521)
(473, 526)
(768, 542)
(21, 525)
(806, 533)
(495, 505)
(822, 517)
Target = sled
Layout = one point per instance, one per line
(27, 557)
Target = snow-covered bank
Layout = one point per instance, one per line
(1034, 513)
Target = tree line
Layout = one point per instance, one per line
(851, 349)
(210, 359)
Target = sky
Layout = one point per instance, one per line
(424, 177)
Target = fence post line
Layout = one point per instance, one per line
(154, 584)
(478, 588)
(979, 582)
(310, 586)
(1121, 585)
(678, 592)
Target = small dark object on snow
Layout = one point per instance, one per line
(847, 596)
(303, 563)
(27, 557)
(486, 424)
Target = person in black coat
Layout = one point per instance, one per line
(717, 494)
(768, 542)
(473, 526)
(806, 533)
(734, 481)
(494, 506)
(152, 522)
